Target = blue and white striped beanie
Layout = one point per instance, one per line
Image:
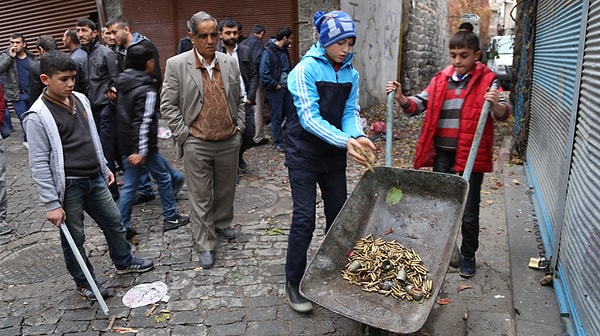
(333, 26)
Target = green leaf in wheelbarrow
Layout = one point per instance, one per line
(394, 196)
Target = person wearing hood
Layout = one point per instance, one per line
(137, 133)
(321, 130)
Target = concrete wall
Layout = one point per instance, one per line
(385, 28)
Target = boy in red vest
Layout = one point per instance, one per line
(453, 101)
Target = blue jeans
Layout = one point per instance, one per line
(157, 166)
(279, 101)
(303, 183)
(145, 184)
(21, 106)
(92, 196)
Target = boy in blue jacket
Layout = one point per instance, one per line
(137, 130)
(321, 129)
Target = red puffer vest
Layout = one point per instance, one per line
(482, 79)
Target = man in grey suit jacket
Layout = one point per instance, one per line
(202, 102)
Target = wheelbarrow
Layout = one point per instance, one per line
(427, 219)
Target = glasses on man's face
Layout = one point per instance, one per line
(205, 35)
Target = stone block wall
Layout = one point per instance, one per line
(425, 43)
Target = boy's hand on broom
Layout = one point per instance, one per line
(361, 150)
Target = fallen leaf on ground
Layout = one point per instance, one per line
(444, 301)
(462, 288)
(275, 231)
(515, 181)
(162, 317)
(490, 202)
(389, 230)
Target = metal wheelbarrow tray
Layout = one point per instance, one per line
(427, 218)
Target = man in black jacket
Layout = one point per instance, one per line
(101, 70)
(229, 34)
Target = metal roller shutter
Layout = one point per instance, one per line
(164, 22)
(552, 109)
(580, 242)
(35, 18)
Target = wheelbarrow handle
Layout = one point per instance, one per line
(485, 111)
(389, 125)
(84, 268)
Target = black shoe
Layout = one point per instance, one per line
(280, 148)
(296, 301)
(264, 141)
(175, 222)
(138, 265)
(207, 259)
(86, 290)
(130, 233)
(141, 198)
(467, 267)
(227, 233)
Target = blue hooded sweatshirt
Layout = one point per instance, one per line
(325, 112)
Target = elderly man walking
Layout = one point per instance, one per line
(203, 104)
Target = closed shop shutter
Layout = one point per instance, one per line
(35, 18)
(552, 113)
(164, 22)
(580, 242)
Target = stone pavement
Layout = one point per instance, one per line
(243, 294)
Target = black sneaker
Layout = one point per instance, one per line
(296, 301)
(467, 267)
(141, 198)
(138, 265)
(175, 222)
(86, 290)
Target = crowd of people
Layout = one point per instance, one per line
(92, 114)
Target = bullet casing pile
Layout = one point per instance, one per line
(387, 268)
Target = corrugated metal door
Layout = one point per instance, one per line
(34, 18)
(580, 242)
(558, 30)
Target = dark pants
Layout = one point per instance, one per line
(303, 183)
(444, 163)
(279, 103)
(107, 133)
(248, 135)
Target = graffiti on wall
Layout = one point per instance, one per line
(377, 45)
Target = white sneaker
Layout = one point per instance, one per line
(26, 145)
